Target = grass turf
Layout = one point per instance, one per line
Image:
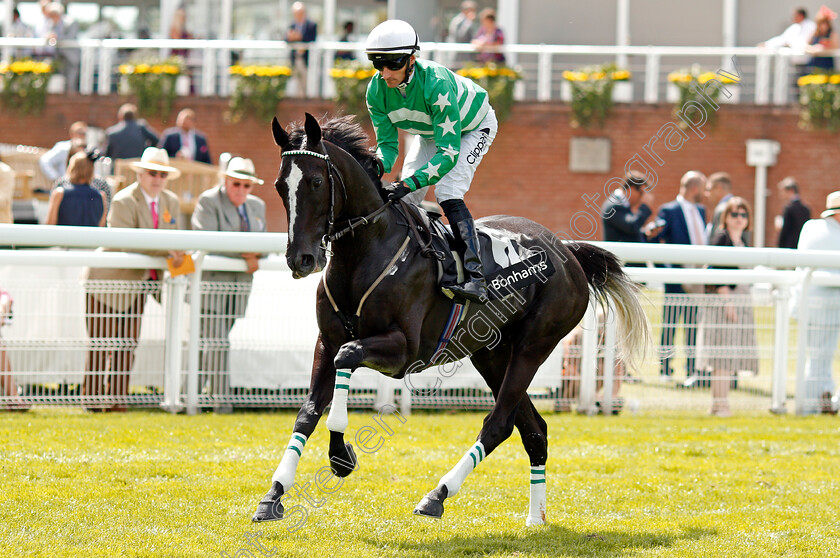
(146, 483)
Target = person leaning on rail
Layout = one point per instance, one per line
(115, 310)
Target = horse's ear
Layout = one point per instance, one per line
(281, 138)
(313, 130)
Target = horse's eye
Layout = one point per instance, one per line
(316, 182)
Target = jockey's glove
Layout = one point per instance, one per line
(378, 165)
(396, 190)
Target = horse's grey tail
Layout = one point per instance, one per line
(614, 289)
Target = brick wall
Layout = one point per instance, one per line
(526, 171)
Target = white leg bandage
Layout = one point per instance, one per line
(454, 478)
(337, 419)
(285, 473)
(536, 511)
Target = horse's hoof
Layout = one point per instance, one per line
(432, 503)
(345, 464)
(270, 508)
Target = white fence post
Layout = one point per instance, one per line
(780, 351)
(544, 76)
(802, 347)
(173, 346)
(588, 361)
(652, 77)
(610, 322)
(195, 335)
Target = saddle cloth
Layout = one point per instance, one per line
(508, 266)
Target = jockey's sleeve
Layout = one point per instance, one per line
(387, 137)
(442, 100)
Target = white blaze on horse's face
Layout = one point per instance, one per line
(293, 182)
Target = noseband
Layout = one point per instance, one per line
(352, 223)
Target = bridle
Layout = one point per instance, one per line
(353, 223)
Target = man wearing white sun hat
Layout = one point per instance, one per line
(114, 315)
(823, 312)
(231, 207)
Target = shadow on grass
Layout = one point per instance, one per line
(551, 539)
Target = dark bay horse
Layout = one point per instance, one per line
(329, 186)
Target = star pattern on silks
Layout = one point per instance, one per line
(448, 126)
(432, 170)
(442, 102)
(449, 151)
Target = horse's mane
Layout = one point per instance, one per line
(347, 134)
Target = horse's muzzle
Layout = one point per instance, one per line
(304, 264)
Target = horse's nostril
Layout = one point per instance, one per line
(307, 261)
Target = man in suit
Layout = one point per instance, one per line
(114, 314)
(302, 30)
(626, 210)
(184, 141)
(794, 215)
(128, 138)
(53, 163)
(227, 207)
(684, 223)
(718, 192)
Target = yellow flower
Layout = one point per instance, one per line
(620, 75)
(598, 75)
(834, 79)
(142, 69)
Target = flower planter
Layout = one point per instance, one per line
(733, 88)
(182, 85)
(57, 84)
(566, 91)
(672, 94)
(622, 92)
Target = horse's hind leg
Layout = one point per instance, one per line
(534, 434)
(508, 377)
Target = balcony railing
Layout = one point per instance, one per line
(765, 76)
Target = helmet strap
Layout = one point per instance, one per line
(408, 70)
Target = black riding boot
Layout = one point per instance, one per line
(475, 287)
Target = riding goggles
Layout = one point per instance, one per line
(392, 62)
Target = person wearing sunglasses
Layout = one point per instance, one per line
(232, 207)
(453, 126)
(729, 340)
(114, 312)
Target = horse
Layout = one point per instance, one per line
(330, 187)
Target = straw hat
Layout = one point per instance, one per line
(242, 169)
(157, 160)
(832, 205)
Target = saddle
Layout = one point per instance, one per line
(508, 266)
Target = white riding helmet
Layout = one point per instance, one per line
(394, 37)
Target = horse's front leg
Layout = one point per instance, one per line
(385, 352)
(320, 394)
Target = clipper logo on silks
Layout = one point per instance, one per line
(526, 272)
(473, 155)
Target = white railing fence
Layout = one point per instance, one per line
(185, 358)
(766, 76)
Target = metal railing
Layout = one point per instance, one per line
(271, 346)
(765, 76)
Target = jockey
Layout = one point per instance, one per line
(453, 126)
